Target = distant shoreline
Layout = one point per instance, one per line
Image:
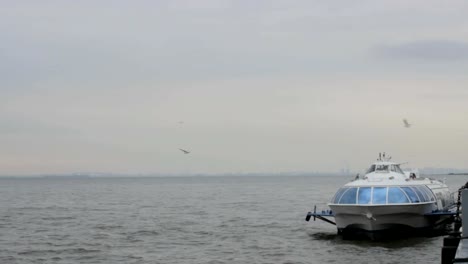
(282, 174)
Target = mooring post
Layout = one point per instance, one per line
(452, 241)
(465, 213)
(450, 247)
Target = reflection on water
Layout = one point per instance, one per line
(396, 243)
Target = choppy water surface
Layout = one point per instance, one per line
(185, 220)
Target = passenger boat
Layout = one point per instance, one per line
(387, 199)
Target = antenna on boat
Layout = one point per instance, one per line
(382, 157)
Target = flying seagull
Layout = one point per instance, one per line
(185, 151)
(405, 122)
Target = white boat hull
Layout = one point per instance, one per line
(388, 199)
(374, 218)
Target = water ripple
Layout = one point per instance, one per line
(179, 221)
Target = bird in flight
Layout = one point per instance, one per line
(406, 124)
(184, 151)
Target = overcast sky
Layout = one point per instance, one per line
(246, 86)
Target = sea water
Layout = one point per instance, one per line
(199, 219)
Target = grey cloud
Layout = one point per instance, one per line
(439, 50)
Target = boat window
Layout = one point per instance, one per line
(398, 169)
(396, 195)
(423, 191)
(381, 168)
(411, 194)
(364, 196)
(371, 169)
(338, 195)
(383, 195)
(428, 192)
(349, 196)
(379, 195)
(422, 198)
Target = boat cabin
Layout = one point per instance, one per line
(386, 167)
(381, 195)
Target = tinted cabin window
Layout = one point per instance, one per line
(364, 196)
(349, 196)
(398, 169)
(371, 169)
(381, 168)
(338, 195)
(383, 195)
(396, 195)
(421, 193)
(379, 195)
(428, 192)
(411, 194)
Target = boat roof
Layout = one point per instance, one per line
(386, 172)
(391, 182)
